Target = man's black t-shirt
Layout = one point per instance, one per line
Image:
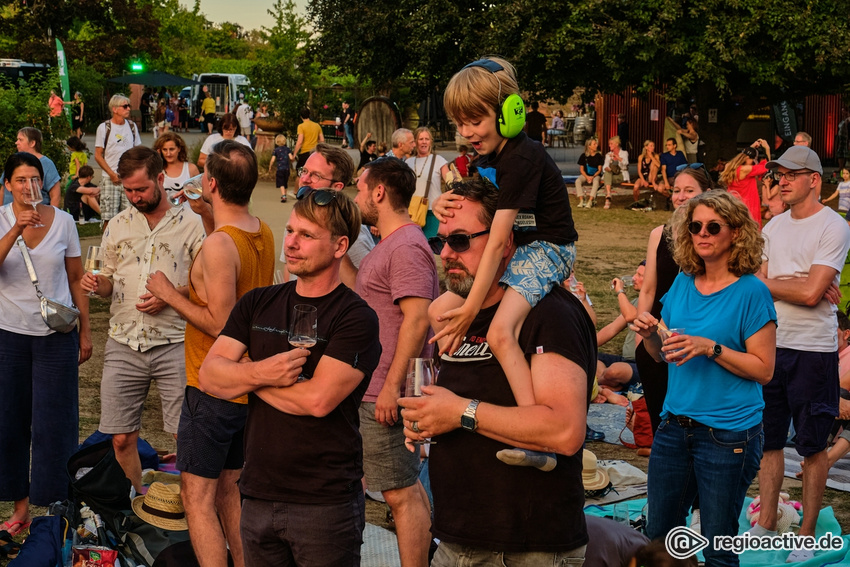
(349, 115)
(529, 180)
(480, 501)
(535, 123)
(366, 157)
(305, 459)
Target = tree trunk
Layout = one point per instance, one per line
(721, 137)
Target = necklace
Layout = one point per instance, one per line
(421, 171)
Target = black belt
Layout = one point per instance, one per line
(686, 421)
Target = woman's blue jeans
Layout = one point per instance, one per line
(716, 463)
(39, 406)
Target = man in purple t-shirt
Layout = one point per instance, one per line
(398, 279)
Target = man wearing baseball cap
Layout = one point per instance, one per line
(805, 249)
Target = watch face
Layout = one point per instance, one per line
(467, 422)
(717, 350)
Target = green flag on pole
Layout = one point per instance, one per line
(63, 76)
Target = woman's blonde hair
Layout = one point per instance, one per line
(614, 140)
(420, 130)
(474, 91)
(729, 175)
(587, 146)
(747, 244)
(643, 152)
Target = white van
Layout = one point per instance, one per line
(223, 87)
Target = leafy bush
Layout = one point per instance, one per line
(25, 104)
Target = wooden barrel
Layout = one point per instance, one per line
(378, 115)
(582, 129)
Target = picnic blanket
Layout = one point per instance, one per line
(609, 419)
(826, 524)
(839, 474)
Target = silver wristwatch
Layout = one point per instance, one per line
(468, 420)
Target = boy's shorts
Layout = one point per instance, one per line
(281, 177)
(538, 267)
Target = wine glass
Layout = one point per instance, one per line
(194, 187)
(302, 329)
(33, 196)
(420, 372)
(94, 263)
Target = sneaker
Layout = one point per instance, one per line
(696, 525)
(581, 202)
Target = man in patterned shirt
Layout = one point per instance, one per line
(145, 335)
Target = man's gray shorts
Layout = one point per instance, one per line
(387, 462)
(127, 377)
(113, 200)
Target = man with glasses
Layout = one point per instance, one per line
(804, 253)
(398, 279)
(303, 502)
(330, 167)
(487, 511)
(113, 138)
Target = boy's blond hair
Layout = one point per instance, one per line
(280, 140)
(474, 91)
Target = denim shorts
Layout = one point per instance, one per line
(537, 268)
(804, 388)
(387, 463)
(211, 434)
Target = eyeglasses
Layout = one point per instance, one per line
(320, 196)
(457, 242)
(713, 227)
(126, 106)
(314, 177)
(790, 175)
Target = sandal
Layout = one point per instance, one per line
(8, 547)
(283, 199)
(607, 203)
(14, 528)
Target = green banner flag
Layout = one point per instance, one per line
(63, 77)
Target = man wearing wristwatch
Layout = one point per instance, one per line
(484, 509)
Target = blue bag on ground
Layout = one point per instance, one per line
(43, 547)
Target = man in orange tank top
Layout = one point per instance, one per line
(237, 257)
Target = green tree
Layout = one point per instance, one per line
(283, 69)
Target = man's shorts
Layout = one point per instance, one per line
(387, 462)
(804, 388)
(538, 267)
(211, 434)
(127, 376)
(113, 200)
(609, 359)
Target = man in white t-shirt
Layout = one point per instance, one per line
(114, 137)
(244, 114)
(804, 253)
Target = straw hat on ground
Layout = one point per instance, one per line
(162, 507)
(592, 477)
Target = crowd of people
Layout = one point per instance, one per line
(734, 336)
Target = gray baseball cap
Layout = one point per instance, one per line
(798, 157)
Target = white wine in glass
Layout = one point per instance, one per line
(420, 372)
(94, 262)
(302, 328)
(194, 187)
(33, 196)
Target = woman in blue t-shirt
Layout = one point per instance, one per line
(718, 335)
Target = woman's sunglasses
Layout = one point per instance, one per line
(457, 242)
(320, 196)
(712, 227)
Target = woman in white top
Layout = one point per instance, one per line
(615, 169)
(178, 169)
(227, 128)
(421, 165)
(39, 405)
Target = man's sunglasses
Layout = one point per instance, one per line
(712, 227)
(126, 106)
(457, 242)
(320, 196)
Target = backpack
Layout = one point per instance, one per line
(108, 124)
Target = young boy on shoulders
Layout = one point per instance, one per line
(483, 99)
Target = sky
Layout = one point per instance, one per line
(250, 14)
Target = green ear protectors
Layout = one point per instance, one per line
(510, 116)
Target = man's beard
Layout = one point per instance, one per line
(148, 206)
(369, 213)
(455, 283)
